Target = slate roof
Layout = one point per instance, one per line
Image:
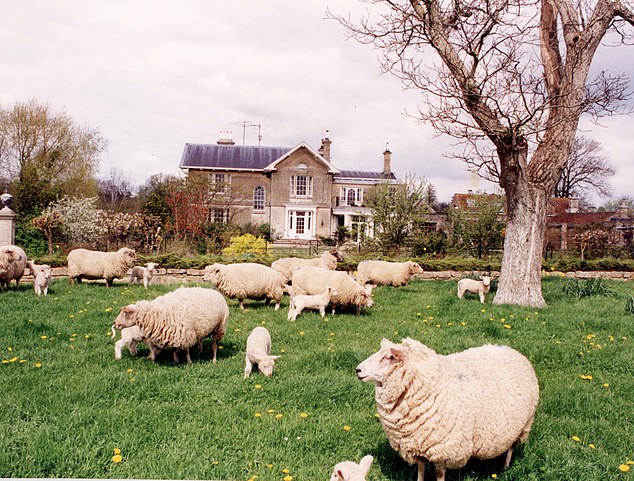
(209, 156)
(361, 174)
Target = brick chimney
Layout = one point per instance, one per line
(324, 150)
(387, 163)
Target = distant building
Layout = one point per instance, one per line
(296, 190)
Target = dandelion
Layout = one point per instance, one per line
(586, 377)
(507, 326)
(270, 411)
(116, 451)
(42, 337)
(285, 470)
(257, 415)
(494, 476)
(288, 478)
(624, 468)
(418, 314)
(117, 458)
(278, 416)
(258, 386)
(10, 349)
(606, 385)
(301, 333)
(483, 310)
(128, 370)
(346, 428)
(270, 466)
(38, 365)
(303, 415)
(575, 439)
(592, 446)
(629, 463)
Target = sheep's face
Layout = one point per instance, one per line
(151, 266)
(364, 296)
(337, 255)
(415, 268)
(266, 365)
(380, 365)
(211, 272)
(126, 317)
(330, 291)
(486, 280)
(349, 471)
(129, 255)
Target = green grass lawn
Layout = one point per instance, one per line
(67, 403)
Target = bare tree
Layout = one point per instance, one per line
(115, 191)
(511, 84)
(586, 169)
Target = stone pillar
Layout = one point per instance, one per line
(7, 226)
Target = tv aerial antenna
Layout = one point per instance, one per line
(248, 123)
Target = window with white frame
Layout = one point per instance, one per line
(301, 186)
(351, 196)
(220, 215)
(221, 182)
(259, 196)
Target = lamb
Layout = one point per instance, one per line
(475, 287)
(84, 263)
(306, 301)
(144, 274)
(387, 273)
(41, 277)
(246, 281)
(12, 265)
(314, 280)
(350, 471)
(259, 352)
(130, 336)
(477, 403)
(287, 265)
(179, 320)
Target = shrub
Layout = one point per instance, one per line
(246, 244)
(584, 288)
(629, 305)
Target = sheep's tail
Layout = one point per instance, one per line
(114, 334)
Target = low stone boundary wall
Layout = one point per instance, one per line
(172, 276)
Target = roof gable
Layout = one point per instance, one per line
(229, 157)
(302, 145)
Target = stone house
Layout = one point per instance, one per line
(297, 190)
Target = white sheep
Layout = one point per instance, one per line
(477, 403)
(41, 277)
(246, 281)
(387, 273)
(314, 280)
(130, 337)
(287, 265)
(179, 319)
(87, 264)
(481, 288)
(12, 265)
(258, 352)
(144, 274)
(307, 301)
(351, 471)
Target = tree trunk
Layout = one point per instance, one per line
(520, 276)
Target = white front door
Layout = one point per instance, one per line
(300, 224)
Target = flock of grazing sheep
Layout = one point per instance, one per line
(434, 408)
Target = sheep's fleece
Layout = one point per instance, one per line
(12, 264)
(476, 403)
(179, 319)
(84, 263)
(388, 273)
(287, 265)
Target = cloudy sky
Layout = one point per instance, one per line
(154, 75)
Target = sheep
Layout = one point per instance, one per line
(306, 301)
(350, 471)
(287, 265)
(130, 336)
(144, 274)
(477, 403)
(179, 320)
(12, 265)
(41, 277)
(84, 263)
(259, 352)
(313, 280)
(387, 273)
(246, 281)
(475, 287)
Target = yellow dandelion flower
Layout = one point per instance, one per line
(10, 349)
(22, 361)
(494, 476)
(483, 310)
(282, 351)
(507, 326)
(270, 466)
(428, 306)
(288, 478)
(270, 411)
(258, 386)
(301, 333)
(418, 314)
(128, 370)
(586, 377)
(13, 359)
(116, 451)
(624, 467)
(38, 365)
(303, 415)
(606, 385)
(592, 446)
(285, 470)
(575, 439)
(463, 323)
(346, 428)
(132, 379)
(42, 337)
(629, 462)
(278, 416)
(257, 415)
(72, 315)
(108, 309)
(117, 458)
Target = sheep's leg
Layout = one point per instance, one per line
(200, 346)
(440, 473)
(154, 351)
(322, 311)
(421, 469)
(241, 304)
(109, 282)
(117, 348)
(175, 355)
(507, 459)
(277, 305)
(481, 294)
(132, 347)
(248, 367)
(214, 349)
(187, 356)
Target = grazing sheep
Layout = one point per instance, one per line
(481, 288)
(12, 264)
(179, 320)
(41, 277)
(287, 265)
(306, 301)
(387, 273)
(314, 280)
(144, 274)
(350, 471)
(246, 281)
(130, 336)
(259, 352)
(86, 264)
(477, 403)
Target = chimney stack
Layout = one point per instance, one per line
(225, 137)
(324, 150)
(387, 162)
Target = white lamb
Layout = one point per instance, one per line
(12, 265)
(41, 277)
(481, 288)
(84, 263)
(246, 281)
(259, 352)
(130, 337)
(314, 280)
(144, 274)
(477, 403)
(307, 301)
(387, 273)
(350, 471)
(179, 319)
(287, 265)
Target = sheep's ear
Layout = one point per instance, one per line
(365, 463)
(274, 357)
(386, 343)
(130, 309)
(398, 353)
(340, 475)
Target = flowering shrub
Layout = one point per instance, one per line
(246, 244)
